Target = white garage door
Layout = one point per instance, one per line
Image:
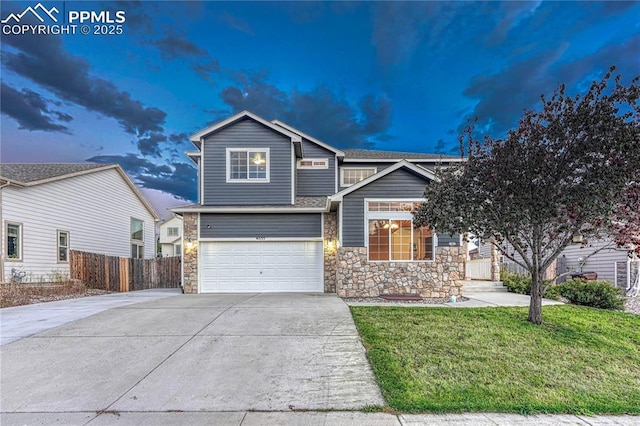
(262, 266)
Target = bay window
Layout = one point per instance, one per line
(392, 235)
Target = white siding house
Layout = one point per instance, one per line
(48, 209)
(170, 238)
(603, 262)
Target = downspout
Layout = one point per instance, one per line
(2, 234)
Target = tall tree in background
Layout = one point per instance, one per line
(570, 168)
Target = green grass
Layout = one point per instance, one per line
(582, 360)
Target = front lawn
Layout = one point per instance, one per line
(582, 360)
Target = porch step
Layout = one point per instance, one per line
(474, 286)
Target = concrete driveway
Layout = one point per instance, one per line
(190, 353)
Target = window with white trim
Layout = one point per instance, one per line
(172, 231)
(137, 238)
(313, 163)
(63, 246)
(392, 235)
(13, 234)
(352, 175)
(248, 165)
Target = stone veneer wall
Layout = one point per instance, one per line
(357, 277)
(190, 254)
(330, 253)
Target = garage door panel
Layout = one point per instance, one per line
(261, 266)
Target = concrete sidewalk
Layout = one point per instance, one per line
(19, 322)
(310, 418)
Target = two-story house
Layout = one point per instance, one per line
(281, 211)
(47, 210)
(170, 238)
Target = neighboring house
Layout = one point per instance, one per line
(279, 210)
(170, 238)
(596, 255)
(49, 209)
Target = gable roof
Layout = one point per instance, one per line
(196, 137)
(373, 155)
(309, 138)
(400, 164)
(32, 174)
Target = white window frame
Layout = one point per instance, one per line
(134, 242)
(171, 234)
(6, 241)
(394, 216)
(267, 153)
(313, 165)
(58, 246)
(342, 170)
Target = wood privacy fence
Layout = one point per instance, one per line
(124, 274)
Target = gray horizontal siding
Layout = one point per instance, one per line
(446, 240)
(246, 134)
(318, 182)
(398, 185)
(251, 225)
(430, 165)
(379, 166)
(603, 262)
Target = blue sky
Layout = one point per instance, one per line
(379, 75)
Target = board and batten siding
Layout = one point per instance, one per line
(316, 182)
(258, 225)
(398, 185)
(246, 134)
(95, 208)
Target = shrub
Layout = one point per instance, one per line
(597, 294)
(552, 292)
(521, 284)
(516, 283)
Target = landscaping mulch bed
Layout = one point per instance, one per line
(13, 294)
(383, 301)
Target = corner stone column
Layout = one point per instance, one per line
(495, 263)
(330, 253)
(190, 253)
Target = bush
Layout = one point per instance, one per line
(521, 284)
(552, 292)
(597, 294)
(516, 283)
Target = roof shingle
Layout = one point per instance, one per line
(368, 154)
(32, 172)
